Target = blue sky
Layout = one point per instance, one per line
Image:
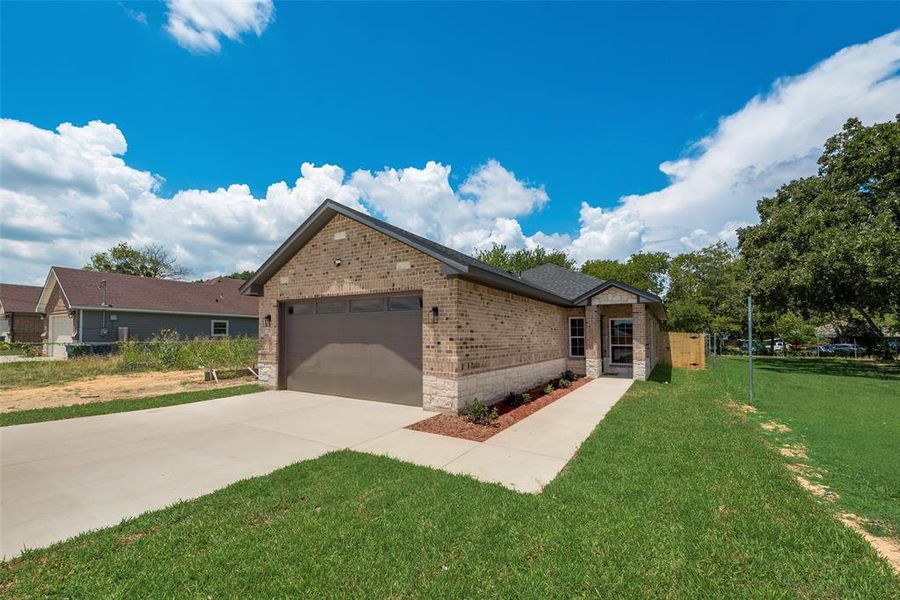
(581, 101)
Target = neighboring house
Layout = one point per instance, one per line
(353, 306)
(19, 320)
(96, 308)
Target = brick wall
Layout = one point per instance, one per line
(25, 327)
(482, 338)
(371, 263)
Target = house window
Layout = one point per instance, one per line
(576, 336)
(404, 303)
(330, 307)
(621, 334)
(219, 328)
(367, 305)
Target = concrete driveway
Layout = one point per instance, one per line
(61, 478)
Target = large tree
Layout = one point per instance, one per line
(643, 270)
(707, 291)
(830, 243)
(517, 261)
(151, 260)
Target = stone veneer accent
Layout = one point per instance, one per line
(486, 343)
(449, 395)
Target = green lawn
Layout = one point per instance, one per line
(846, 414)
(113, 406)
(674, 495)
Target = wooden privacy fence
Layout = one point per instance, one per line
(684, 350)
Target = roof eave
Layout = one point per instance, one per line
(521, 288)
(643, 296)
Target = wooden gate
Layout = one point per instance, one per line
(683, 350)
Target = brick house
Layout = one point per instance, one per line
(20, 321)
(350, 305)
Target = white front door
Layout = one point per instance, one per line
(59, 334)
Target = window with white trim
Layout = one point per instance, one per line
(621, 337)
(219, 328)
(576, 336)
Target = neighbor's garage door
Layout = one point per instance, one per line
(367, 347)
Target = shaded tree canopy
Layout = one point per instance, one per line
(517, 261)
(830, 243)
(643, 270)
(707, 290)
(151, 260)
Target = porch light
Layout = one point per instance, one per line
(434, 314)
(268, 320)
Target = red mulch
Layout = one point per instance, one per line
(458, 427)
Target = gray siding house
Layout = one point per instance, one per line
(100, 308)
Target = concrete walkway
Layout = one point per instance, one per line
(524, 457)
(61, 478)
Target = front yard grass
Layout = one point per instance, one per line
(56, 413)
(674, 495)
(846, 414)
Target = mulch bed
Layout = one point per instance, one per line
(457, 426)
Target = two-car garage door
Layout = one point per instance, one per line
(365, 347)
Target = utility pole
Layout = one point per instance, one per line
(750, 342)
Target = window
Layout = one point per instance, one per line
(363, 305)
(404, 303)
(219, 328)
(576, 336)
(329, 307)
(620, 341)
(306, 308)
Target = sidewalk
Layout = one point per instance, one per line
(525, 457)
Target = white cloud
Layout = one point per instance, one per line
(773, 139)
(67, 193)
(198, 25)
(137, 15)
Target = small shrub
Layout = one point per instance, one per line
(525, 397)
(514, 399)
(571, 376)
(33, 350)
(78, 350)
(564, 383)
(479, 413)
(548, 389)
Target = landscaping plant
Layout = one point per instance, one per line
(480, 413)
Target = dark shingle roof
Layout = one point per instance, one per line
(561, 281)
(19, 298)
(216, 296)
(553, 284)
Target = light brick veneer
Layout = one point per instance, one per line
(485, 344)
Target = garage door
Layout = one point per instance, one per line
(366, 347)
(59, 334)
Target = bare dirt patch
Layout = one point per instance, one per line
(459, 427)
(775, 426)
(887, 547)
(110, 387)
(793, 451)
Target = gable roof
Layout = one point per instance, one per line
(81, 289)
(565, 282)
(453, 262)
(16, 298)
(569, 288)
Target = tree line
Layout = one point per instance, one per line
(826, 250)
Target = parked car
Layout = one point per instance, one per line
(848, 350)
(757, 346)
(822, 350)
